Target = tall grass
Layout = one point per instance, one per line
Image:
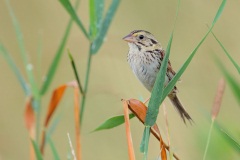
(99, 25)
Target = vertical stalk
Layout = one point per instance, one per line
(208, 140)
(37, 105)
(85, 86)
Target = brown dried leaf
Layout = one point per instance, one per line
(140, 111)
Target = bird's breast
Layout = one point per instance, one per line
(145, 67)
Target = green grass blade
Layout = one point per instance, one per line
(234, 85)
(15, 69)
(228, 137)
(228, 55)
(99, 7)
(18, 34)
(28, 66)
(146, 141)
(75, 72)
(93, 19)
(55, 62)
(97, 43)
(96, 8)
(53, 148)
(219, 12)
(67, 5)
(208, 140)
(112, 122)
(58, 55)
(172, 83)
(37, 150)
(158, 87)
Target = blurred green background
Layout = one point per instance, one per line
(43, 24)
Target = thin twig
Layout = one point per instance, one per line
(71, 146)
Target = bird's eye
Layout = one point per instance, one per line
(141, 36)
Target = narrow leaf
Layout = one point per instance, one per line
(56, 97)
(219, 12)
(37, 150)
(75, 72)
(99, 8)
(112, 122)
(69, 8)
(15, 69)
(28, 66)
(97, 43)
(156, 96)
(93, 18)
(30, 121)
(228, 137)
(52, 70)
(228, 55)
(174, 80)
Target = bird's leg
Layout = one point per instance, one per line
(146, 100)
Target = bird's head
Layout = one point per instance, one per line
(144, 40)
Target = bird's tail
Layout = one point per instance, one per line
(175, 101)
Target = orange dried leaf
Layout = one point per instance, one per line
(140, 111)
(77, 121)
(30, 124)
(29, 116)
(56, 97)
(128, 131)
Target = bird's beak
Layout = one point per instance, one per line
(129, 38)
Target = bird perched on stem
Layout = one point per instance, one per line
(145, 57)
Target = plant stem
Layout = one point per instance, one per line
(37, 105)
(208, 140)
(85, 86)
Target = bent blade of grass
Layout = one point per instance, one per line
(226, 52)
(69, 8)
(112, 122)
(157, 94)
(228, 137)
(234, 85)
(97, 43)
(15, 69)
(37, 150)
(52, 70)
(27, 65)
(174, 80)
